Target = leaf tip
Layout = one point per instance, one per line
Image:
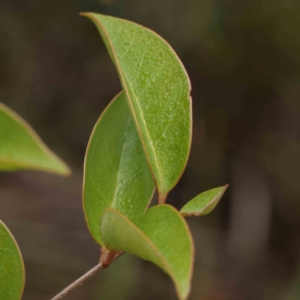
(86, 14)
(60, 167)
(66, 172)
(83, 14)
(224, 188)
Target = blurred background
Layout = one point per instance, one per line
(243, 60)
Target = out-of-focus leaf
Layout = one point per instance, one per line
(204, 203)
(160, 236)
(12, 275)
(21, 148)
(116, 172)
(158, 92)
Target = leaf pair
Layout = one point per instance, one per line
(116, 172)
(157, 89)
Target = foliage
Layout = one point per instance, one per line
(149, 122)
(20, 148)
(140, 142)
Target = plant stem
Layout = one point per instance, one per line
(80, 281)
(112, 256)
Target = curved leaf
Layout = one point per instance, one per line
(21, 148)
(116, 172)
(12, 274)
(158, 92)
(204, 203)
(160, 236)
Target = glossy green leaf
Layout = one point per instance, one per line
(160, 236)
(12, 275)
(158, 92)
(21, 148)
(204, 203)
(116, 171)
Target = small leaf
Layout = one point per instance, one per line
(21, 148)
(158, 92)
(116, 171)
(12, 274)
(160, 236)
(204, 203)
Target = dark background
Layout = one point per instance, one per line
(243, 60)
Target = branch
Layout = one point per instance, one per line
(107, 257)
(80, 281)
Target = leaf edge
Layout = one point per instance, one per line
(66, 171)
(20, 255)
(165, 263)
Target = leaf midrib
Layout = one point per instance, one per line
(120, 165)
(151, 244)
(122, 77)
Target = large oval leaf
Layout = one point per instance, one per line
(204, 203)
(21, 148)
(116, 172)
(158, 92)
(12, 275)
(160, 236)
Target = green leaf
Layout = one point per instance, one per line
(116, 172)
(12, 275)
(21, 148)
(158, 92)
(160, 236)
(204, 203)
